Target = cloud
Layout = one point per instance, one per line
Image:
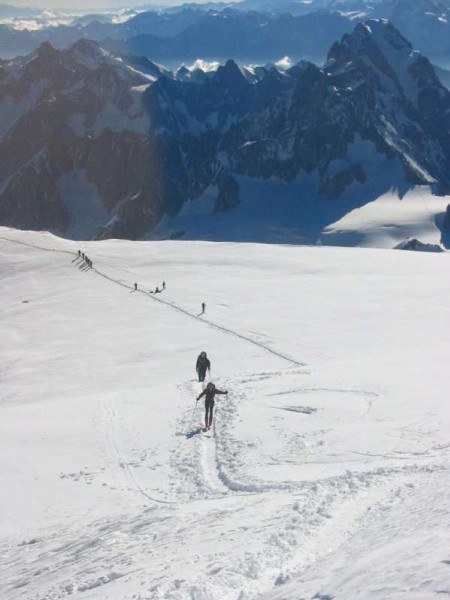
(284, 63)
(204, 65)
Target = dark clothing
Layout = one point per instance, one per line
(209, 394)
(201, 374)
(202, 365)
(209, 408)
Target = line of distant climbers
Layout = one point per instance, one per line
(89, 264)
(84, 256)
(157, 290)
(163, 287)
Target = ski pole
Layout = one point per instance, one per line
(193, 414)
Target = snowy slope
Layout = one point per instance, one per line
(271, 212)
(326, 475)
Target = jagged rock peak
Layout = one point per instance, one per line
(88, 47)
(370, 38)
(380, 32)
(47, 52)
(378, 44)
(49, 63)
(87, 52)
(230, 74)
(183, 73)
(299, 68)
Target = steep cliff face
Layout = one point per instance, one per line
(374, 87)
(74, 110)
(92, 139)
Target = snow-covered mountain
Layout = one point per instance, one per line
(326, 473)
(266, 30)
(243, 36)
(98, 146)
(426, 23)
(192, 33)
(20, 37)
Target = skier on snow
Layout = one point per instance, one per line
(201, 366)
(209, 392)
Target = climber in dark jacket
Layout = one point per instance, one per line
(209, 392)
(202, 365)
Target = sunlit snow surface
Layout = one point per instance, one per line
(326, 474)
(276, 212)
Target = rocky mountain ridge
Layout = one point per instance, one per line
(101, 147)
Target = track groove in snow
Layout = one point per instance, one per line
(204, 320)
(173, 306)
(123, 462)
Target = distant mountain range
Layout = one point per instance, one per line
(251, 30)
(93, 145)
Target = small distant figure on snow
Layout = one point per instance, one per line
(203, 308)
(157, 290)
(79, 253)
(203, 364)
(163, 285)
(135, 287)
(210, 392)
(82, 255)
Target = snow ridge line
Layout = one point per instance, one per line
(38, 247)
(174, 306)
(210, 323)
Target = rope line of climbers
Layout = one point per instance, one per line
(123, 284)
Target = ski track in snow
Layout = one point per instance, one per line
(123, 462)
(294, 522)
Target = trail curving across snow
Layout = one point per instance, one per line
(172, 305)
(124, 464)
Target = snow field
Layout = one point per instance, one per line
(326, 471)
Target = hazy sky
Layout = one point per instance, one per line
(93, 5)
